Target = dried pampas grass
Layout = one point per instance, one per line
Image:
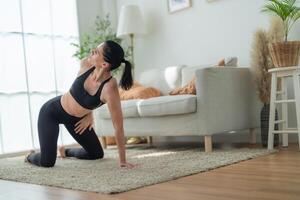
(260, 57)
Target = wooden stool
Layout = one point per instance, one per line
(283, 73)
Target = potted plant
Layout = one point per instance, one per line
(284, 53)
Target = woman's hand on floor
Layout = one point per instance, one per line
(127, 165)
(84, 123)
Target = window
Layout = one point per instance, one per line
(36, 64)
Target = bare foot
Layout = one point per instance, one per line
(27, 155)
(62, 152)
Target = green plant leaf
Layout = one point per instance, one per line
(287, 10)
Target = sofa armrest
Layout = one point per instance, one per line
(226, 99)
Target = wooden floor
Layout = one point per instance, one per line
(275, 176)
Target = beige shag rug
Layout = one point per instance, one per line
(157, 165)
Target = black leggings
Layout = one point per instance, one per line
(51, 115)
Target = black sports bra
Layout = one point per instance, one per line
(82, 96)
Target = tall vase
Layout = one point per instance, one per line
(264, 124)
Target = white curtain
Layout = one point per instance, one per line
(36, 64)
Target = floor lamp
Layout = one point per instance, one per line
(130, 24)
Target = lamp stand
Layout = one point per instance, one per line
(132, 52)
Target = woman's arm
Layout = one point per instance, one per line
(85, 64)
(112, 99)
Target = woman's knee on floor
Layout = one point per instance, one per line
(48, 162)
(97, 154)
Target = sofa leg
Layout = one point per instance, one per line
(208, 143)
(149, 140)
(103, 142)
(252, 136)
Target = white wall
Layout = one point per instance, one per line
(87, 13)
(89, 10)
(201, 34)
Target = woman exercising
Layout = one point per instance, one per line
(93, 87)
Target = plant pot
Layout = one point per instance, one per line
(285, 54)
(264, 125)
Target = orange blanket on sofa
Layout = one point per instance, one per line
(137, 91)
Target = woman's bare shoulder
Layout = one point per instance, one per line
(110, 90)
(112, 85)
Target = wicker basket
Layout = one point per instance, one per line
(285, 54)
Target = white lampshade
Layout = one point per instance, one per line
(130, 21)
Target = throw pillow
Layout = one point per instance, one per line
(228, 62)
(221, 63)
(231, 61)
(189, 88)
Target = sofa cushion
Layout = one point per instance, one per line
(165, 79)
(129, 109)
(167, 105)
(189, 88)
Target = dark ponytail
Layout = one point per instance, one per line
(126, 80)
(113, 53)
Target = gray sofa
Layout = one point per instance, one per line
(226, 101)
